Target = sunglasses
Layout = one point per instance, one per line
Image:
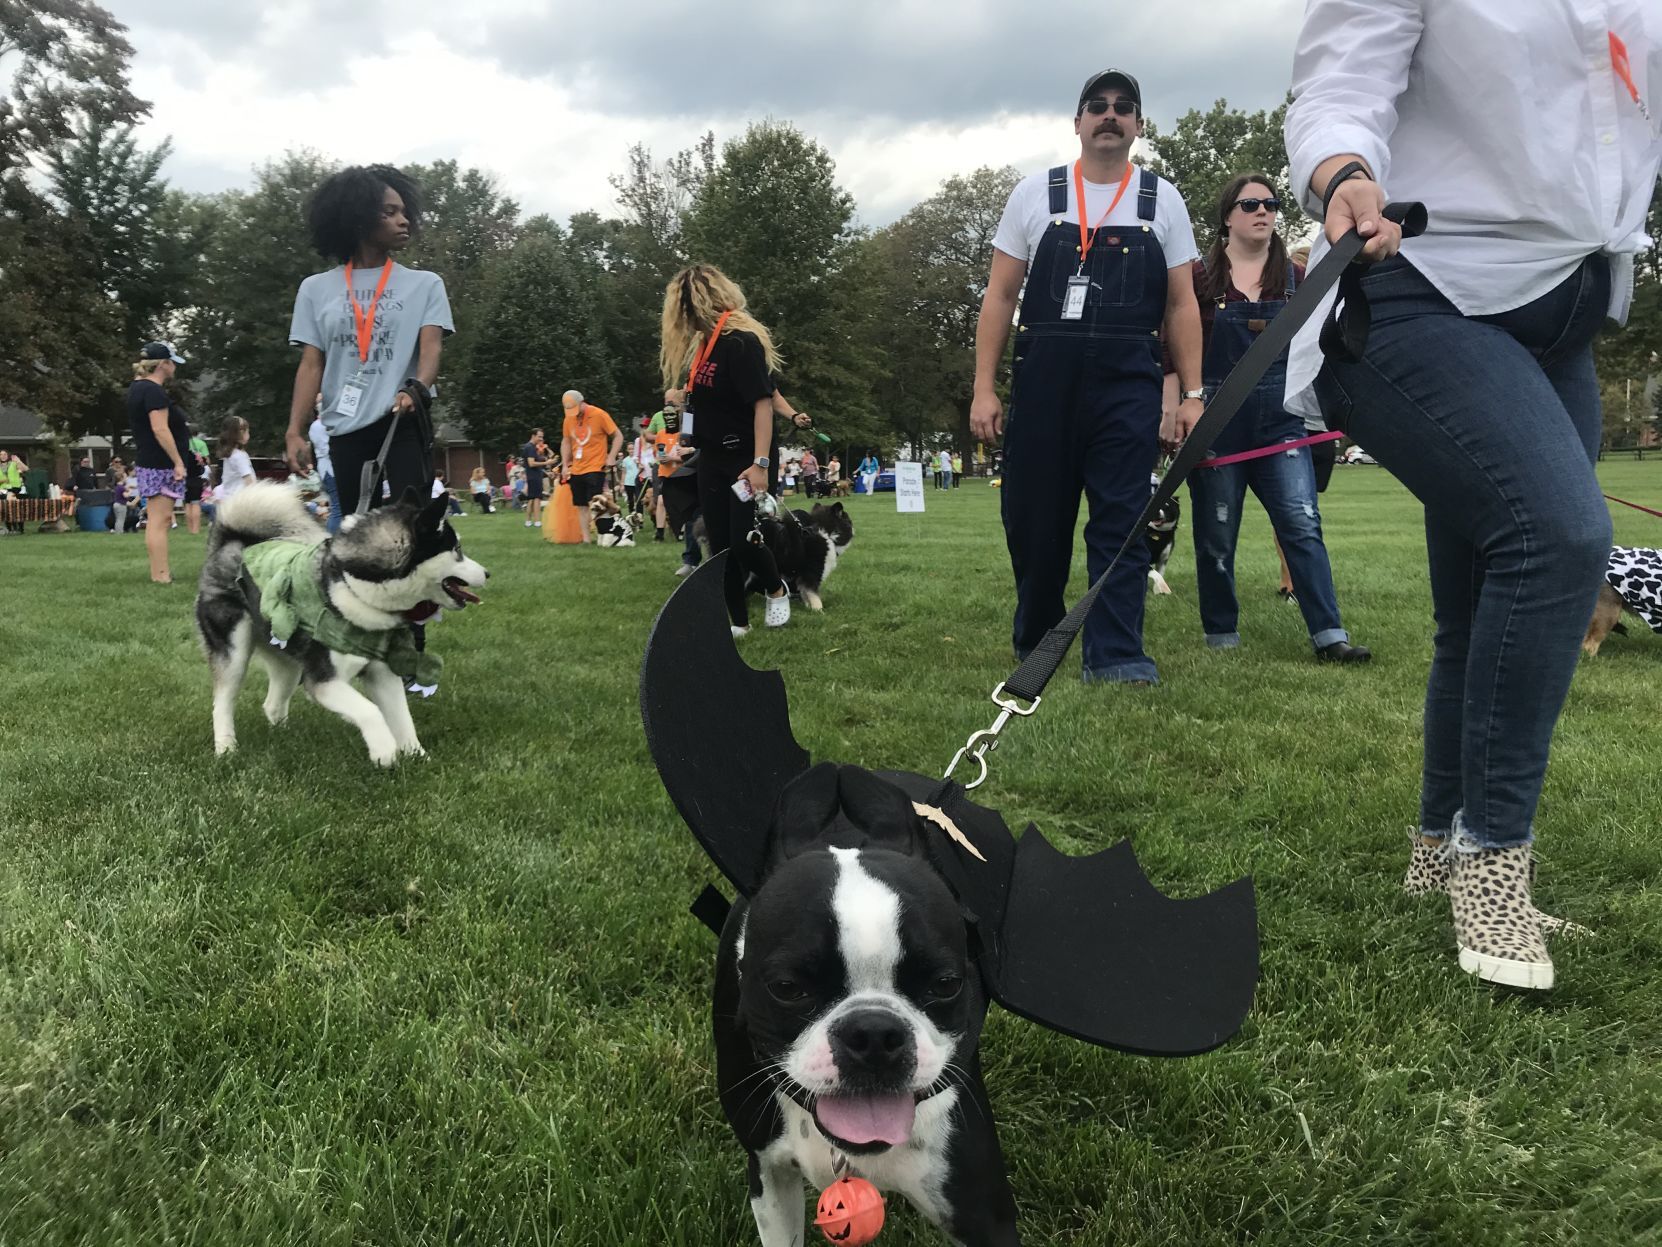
(1122, 107)
(1252, 205)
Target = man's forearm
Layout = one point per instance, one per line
(1183, 335)
(992, 335)
(1325, 171)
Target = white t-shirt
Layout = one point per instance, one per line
(1027, 216)
(319, 433)
(439, 490)
(237, 473)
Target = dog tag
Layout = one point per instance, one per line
(1073, 302)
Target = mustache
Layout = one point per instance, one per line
(1109, 127)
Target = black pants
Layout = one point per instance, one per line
(634, 494)
(484, 501)
(728, 523)
(409, 462)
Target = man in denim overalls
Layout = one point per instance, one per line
(1102, 281)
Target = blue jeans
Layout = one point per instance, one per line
(1493, 423)
(1286, 485)
(334, 503)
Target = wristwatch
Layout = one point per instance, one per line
(762, 461)
(1200, 394)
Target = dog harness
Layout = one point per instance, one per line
(1636, 576)
(283, 583)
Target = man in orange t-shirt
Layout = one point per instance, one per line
(589, 444)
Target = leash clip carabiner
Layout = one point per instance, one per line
(981, 743)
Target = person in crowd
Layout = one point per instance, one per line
(590, 443)
(317, 433)
(236, 469)
(1104, 251)
(868, 470)
(834, 471)
(11, 474)
(1477, 388)
(160, 443)
(441, 489)
(196, 474)
(537, 459)
(370, 333)
(84, 477)
(730, 360)
(1242, 285)
(810, 473)
(120, 496)
(945, 466)
(479, 485)
(957, 468)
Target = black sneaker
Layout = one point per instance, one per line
(1344, 651)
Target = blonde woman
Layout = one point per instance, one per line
(160, 440)
(479, 485)
(729, 361)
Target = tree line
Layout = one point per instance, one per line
(99, 253)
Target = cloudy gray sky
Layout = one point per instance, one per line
(549, 94)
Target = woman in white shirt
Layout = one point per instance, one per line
(236, 469)
(1527, 132)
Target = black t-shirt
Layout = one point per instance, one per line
(724, 394)
(144, 397)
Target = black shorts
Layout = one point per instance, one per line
(586, 486)
(533, 486)
(193, 486)
(1322, 455)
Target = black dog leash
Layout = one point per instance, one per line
(1345, 335)
(375, 471)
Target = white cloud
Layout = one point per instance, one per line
(548, 97)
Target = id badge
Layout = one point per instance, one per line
(687, 422)
(351, 395)
(1073, 302)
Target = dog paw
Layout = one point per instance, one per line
(412, 750)
(223, 747)
(277, 717)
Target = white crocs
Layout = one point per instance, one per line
(779, 611)
(738, 631)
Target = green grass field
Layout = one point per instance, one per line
(287, 998)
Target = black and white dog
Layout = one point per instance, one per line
(611, 526)
(1162, 536)
(807, 545)
(848, 1017)
(339, 608)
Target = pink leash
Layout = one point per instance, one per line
(1634, 505)
(1265, 451)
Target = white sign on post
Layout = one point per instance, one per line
(908, 487)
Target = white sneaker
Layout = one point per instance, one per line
(738, 631)
(684, 569)
(530, 524)
(779, 611)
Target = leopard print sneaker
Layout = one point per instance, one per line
(1428, 871)
(1495, 926)
(1427, 866)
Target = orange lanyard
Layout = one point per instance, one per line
(366, 320)
(1085, 240)
(700, 359)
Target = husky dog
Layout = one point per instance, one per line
(611, 525)
(806, 546)
(322, 612)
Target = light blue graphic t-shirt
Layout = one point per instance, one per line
(323, 318)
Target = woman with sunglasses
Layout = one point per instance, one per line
(1245, 280)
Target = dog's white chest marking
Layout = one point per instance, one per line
(917, 1170)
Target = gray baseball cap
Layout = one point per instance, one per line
(1110, 78)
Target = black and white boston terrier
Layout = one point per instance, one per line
(848, 1016)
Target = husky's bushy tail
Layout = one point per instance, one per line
(263, 511)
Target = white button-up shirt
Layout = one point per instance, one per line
(1506, 118)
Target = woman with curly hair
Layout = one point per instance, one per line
(370, 332)
(729, 361)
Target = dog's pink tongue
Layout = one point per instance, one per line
(868, 1118)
